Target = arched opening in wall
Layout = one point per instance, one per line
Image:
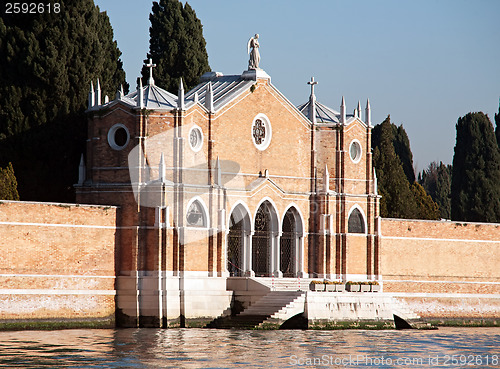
(262, 240)
(239, 229)
(356, 222)
(290, 243)
(195, 216)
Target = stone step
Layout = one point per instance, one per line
(274, 304)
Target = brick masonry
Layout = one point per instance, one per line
(443, 269)
(57, 262)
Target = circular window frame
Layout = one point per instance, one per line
(269, 132)
(199, 145)
(111, 137)
(359, 153)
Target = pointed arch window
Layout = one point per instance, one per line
(356, 222)
(196, 216)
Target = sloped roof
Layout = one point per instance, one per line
(225, 89)
(154, 97)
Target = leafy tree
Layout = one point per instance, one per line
(176, 45)
(47, 62)
(8, 184)
(436, 180)
(475, 186)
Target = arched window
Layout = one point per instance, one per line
(356, 223)
(195, 215)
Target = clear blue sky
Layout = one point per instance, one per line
(424, 62)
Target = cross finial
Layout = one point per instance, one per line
(151, 81)
(312, 83)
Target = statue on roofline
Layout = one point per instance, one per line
(253, 43)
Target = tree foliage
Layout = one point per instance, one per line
(47, 62)
(497, 122)
(475, 187)
(176, 45)
(400, 199)
(436, 180)
(8, 184)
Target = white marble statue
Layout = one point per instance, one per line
(253, 44)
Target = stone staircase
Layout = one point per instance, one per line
(285, 284)
(275, 307)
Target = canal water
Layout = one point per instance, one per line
(207, 348)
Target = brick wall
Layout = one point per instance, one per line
(442, 269)
(57, 262)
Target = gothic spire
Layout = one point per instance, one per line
(209, 98)
(180, 96)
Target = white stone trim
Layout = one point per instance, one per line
(269, 131)
(356, 206)
(59, 225)
(205, 212)
(198, 147)
(111, 136)
(56, 276)
(357, 159)
(439, 239)
(451, 282)
(55, 292)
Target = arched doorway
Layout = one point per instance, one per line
(237, 241)
(265, 230)
(291, 244)
(287, 246)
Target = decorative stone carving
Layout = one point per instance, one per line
(253, 44)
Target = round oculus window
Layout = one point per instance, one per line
(118, 137)
(355, 151)
(261, 132)
(195, 138)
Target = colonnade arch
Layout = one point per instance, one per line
(265, 246)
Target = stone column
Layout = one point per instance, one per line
(247, 254)
(275, 254)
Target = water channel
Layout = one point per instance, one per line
(211, 348)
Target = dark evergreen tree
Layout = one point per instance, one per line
(8, 184)
(401, 144)
(497, 122)
(48, 61)
(425, 207)
(176, 46)
(436, 180)
(397, 199)
(475, 186)
(400, 197)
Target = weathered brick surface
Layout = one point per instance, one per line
(462, 257)
(57, 261)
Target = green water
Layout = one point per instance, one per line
(207, 348)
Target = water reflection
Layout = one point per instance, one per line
(203, 348)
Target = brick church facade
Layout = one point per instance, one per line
(231, 180)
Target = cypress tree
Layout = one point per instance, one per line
(475, 186)
(436, 180)
(401, 144)
(397, 199)
(47, 62)
(401, 196)
(497, 122)
(8, 184)
(176, 45)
